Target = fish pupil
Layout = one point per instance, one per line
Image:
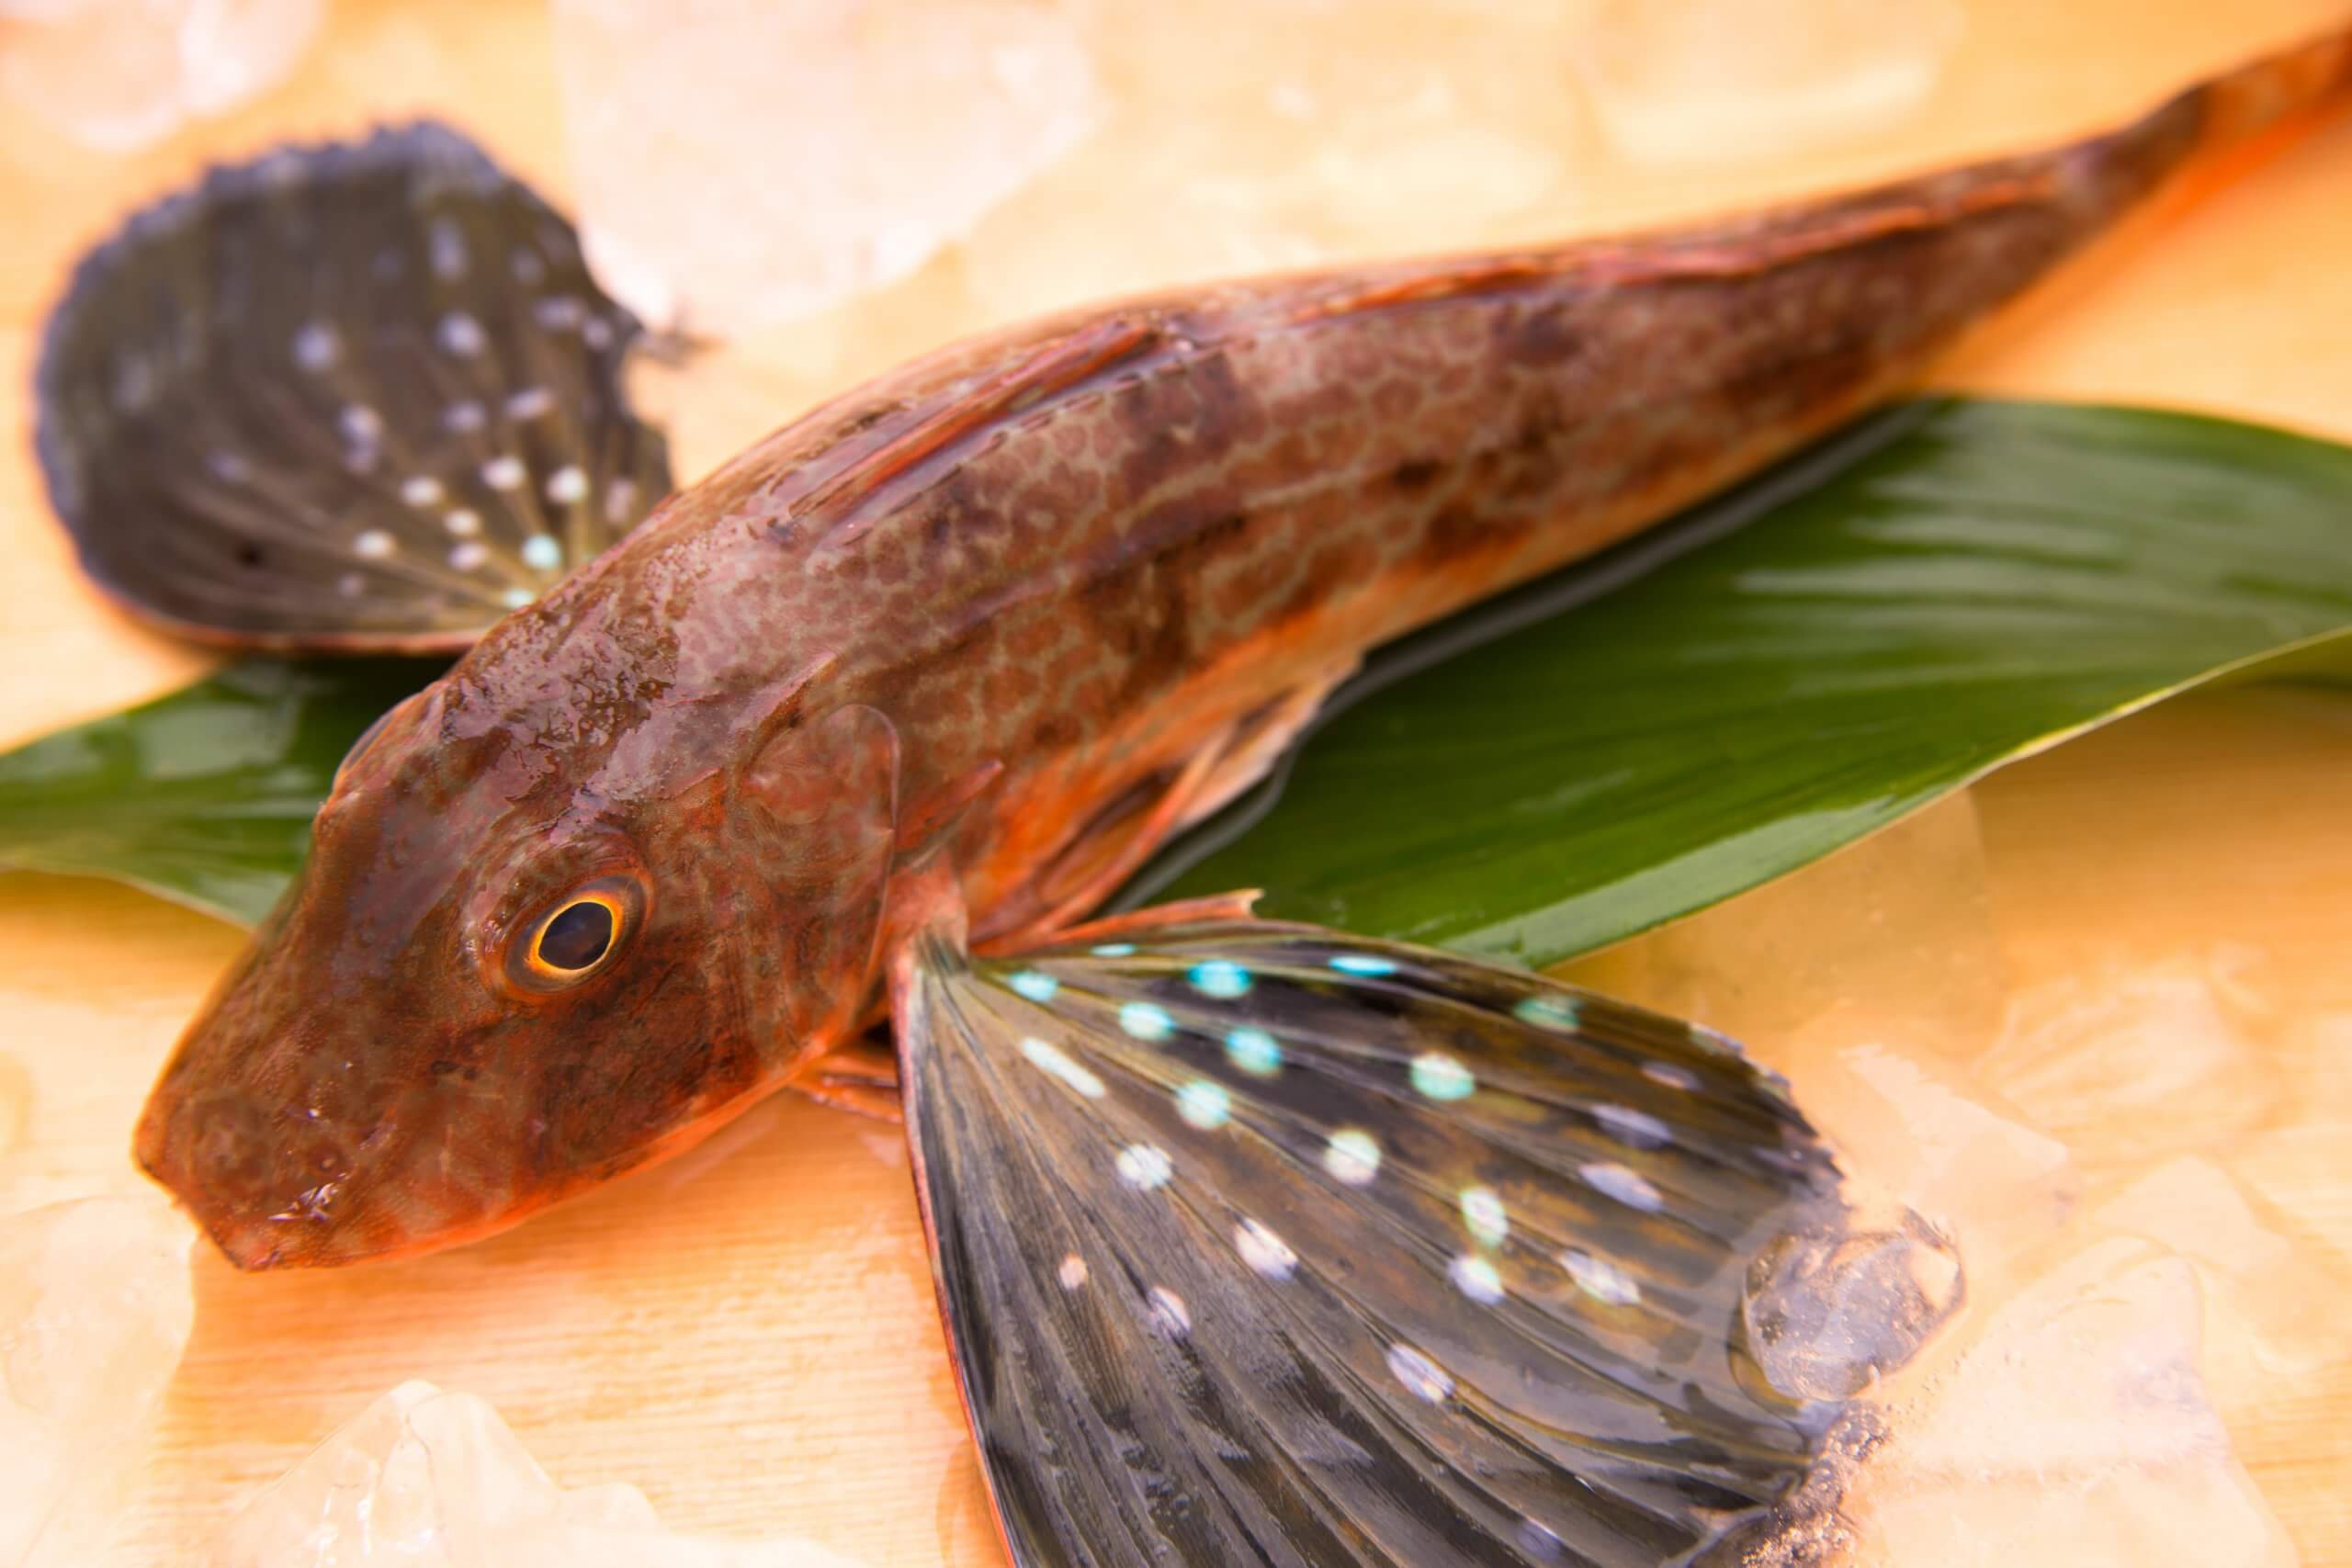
(578, 936)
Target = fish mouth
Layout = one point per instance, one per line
(281, 1173)
(246, 1191)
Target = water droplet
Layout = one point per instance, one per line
(373, 544)
(463, 523)
(1440, 1076)
(468, 555)
(541, 553)
(464, 418)
(1035, 986)
(504, 471)
(566, 486)
(529, 403)
(1669, 1075)
(1115, 950)
(420, 489)
(1363, 964)
(1073, 1273)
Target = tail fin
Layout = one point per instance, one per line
(2240, 104)
(1260, 1243)
(2201, 128)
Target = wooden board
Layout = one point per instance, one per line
(747, 1333)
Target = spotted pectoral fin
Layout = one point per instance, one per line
(353, 397)
(1259, 1244)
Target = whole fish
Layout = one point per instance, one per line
(1257, 1243)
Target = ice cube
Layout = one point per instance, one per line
(118, 75)
(1832, 1309)
(1898, 925)
(2137, 1063)
(1355, 130)
(2274, 1306)
(2076, 1429)
(94, 1309)
(1700, 81)
(740, 163)
(424, 1479)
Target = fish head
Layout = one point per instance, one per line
(508, 973)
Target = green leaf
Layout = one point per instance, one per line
(1789, 667)
(1729, 696)
(204, 796)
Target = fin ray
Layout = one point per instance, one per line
(315, 402)
(1260, 1244)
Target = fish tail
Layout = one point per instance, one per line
(2206, 135)
(2289, 88)
(1261, 1243)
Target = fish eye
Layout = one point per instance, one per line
(577, 936)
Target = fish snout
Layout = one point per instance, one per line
(216, 1153)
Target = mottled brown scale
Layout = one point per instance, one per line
(1088, 574)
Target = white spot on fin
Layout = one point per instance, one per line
(460, 334)
(316, 347)
(1420, 1375)
(1263, 1250)
(1352, 1156)
(1476, 1278)
(1145, 1166)
(1168, 1313)
(1623, 1183)
(1056, 1063)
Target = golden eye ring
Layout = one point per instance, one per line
(579, 936)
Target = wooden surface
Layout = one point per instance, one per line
(747, 1333)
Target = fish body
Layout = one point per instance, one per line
(1070, 586)
(925, 675)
